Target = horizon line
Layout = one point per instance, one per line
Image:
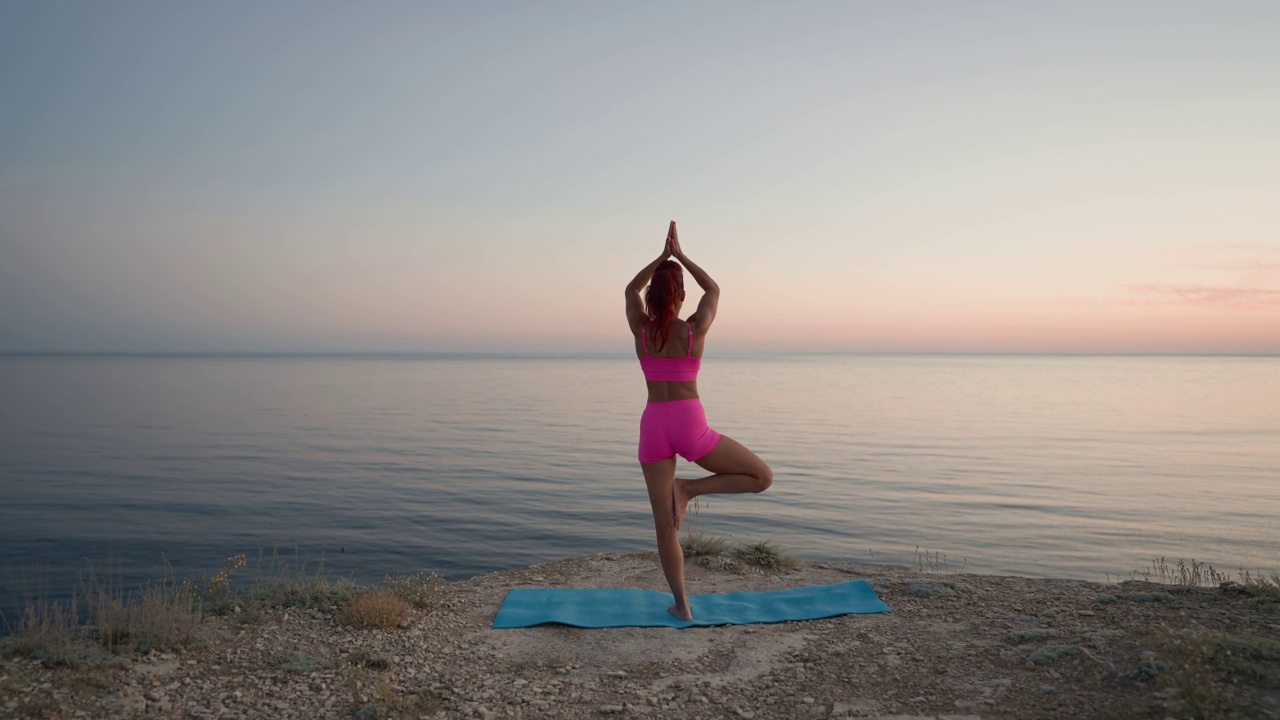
(471, 354)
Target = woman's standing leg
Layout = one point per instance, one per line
(737, 470)
(659, 478)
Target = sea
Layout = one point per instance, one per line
(1093, 467)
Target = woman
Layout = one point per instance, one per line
(670, 352)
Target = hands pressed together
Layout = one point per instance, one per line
(672, 247)
(706, 311)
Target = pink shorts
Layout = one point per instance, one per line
(679, 426)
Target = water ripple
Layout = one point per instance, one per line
(1047, 466)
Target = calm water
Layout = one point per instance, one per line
(1046, 466)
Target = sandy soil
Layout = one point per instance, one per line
(955, 646)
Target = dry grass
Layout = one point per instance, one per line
(1196, 574)
(109, 614)
(1263, 586)
(274, 582)
(422, 591)
(102, 617)
(381, 610)
(43, 629)
(161, 616)
(936, 563)
(164, 617)
(696, 543)
(720, 552)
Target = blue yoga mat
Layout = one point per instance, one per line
(625, 607)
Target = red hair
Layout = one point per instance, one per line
(663, 296)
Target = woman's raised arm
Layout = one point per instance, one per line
(635, 306)
(702, 318)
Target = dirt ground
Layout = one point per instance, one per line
(955, 646)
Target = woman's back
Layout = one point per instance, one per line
(671, 372)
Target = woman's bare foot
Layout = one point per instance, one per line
(684, 613)
(680, 503)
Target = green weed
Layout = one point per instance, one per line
(696, 543)
(764, 554)
(1018, 637)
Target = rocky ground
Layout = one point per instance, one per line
(958, 646)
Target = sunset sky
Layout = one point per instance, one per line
(442, 177)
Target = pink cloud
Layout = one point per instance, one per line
(1237, 265)
(1201, 295)
(1246, 271)
(1250, 262)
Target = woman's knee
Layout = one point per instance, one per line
(764, 478)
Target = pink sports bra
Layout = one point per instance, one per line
(669, 369)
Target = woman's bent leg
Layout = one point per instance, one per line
(659, 477)
(737, 470)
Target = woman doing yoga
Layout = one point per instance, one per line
(670, 352)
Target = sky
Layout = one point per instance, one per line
(487, 177)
